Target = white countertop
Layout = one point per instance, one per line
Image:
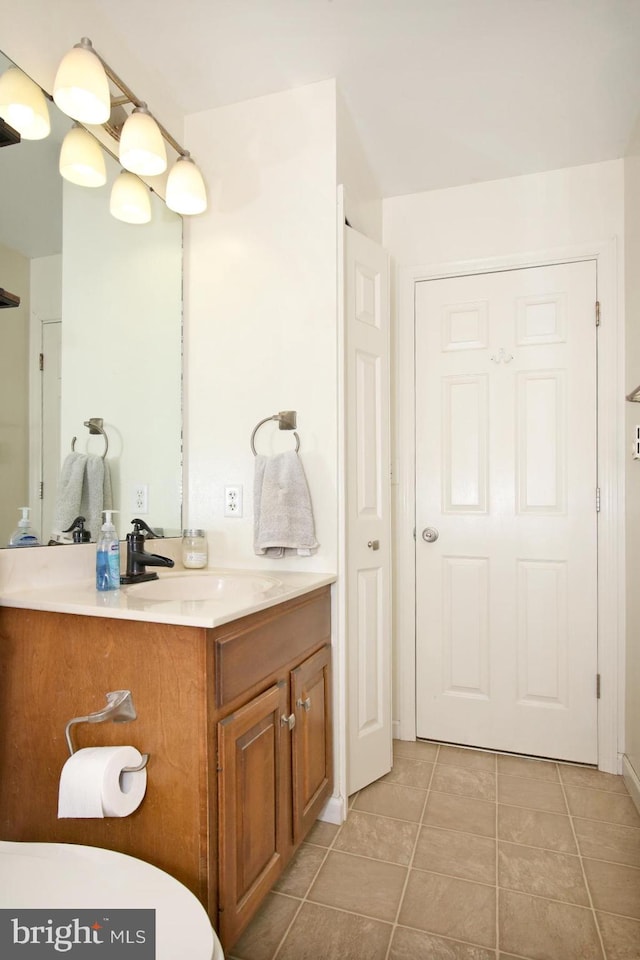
(239, 593)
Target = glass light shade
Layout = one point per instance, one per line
(142, 148)
(81, 88)
(186, 192)
(82, 159)
(130, 199)
(23, 106)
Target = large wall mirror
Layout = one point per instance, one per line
(101, 304)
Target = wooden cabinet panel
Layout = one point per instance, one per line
(252, 752)
(312, 740)
(246, 651)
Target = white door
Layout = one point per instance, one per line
(506, 645)
(51, 386)
(368, 525)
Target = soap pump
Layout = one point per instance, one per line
(108, 555)
(24, 535)
(77, 530)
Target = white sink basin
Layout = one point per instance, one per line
(227, 586)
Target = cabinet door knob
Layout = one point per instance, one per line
(305, 704)
(374, 544)
(289, 721)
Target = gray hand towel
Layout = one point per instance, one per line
(282, 514)
(69, 494)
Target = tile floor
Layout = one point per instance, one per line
(463, 855)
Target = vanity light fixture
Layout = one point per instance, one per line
(82, 159)
(23, 105)
(81, 87)
(142, 138)
(186, 192)
(142, 148)
(130, 201)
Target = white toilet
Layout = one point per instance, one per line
(71, 876)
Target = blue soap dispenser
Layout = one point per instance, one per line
(108, 555)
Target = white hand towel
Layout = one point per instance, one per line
(69, 493)
(96, 493)
(282, 513)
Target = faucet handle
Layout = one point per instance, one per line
(140, 525)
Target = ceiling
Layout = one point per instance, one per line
(442, 92)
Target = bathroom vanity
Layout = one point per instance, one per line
(236, 717)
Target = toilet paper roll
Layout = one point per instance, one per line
(93, 783)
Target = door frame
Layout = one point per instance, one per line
(610, 464)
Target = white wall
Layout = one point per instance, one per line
(632, 380)
(260, 306)
(14, 402)
(526, 215)
(362, 197)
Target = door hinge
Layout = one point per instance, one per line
(42, 489)
(597, 499)
(41, 361)
(414, 533)
(597, 313)
(597, 686)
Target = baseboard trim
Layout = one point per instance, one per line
(631, 779)
(334, 811)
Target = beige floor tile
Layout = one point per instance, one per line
(470, 759)
(410, 773)
(542, 873)
(545, 930)
(530, 769)
(264, 933)
(368, 887)
(320, 933)
(465, 782)
(369, 835)
(536, 828)
(602, 805)
(415, 749)
(615, 888)
(589, 777)
(450, 907)
(621, 937)
(608, 841)
(392, 800)
(461, 813)
(323, 834)
(301, 872)
(409, 944)
(535, 794)
(456, 854)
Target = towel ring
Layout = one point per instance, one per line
(286, 421)
(96, 426)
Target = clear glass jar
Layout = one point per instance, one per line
(195, 552)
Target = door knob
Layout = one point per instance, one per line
(430, 534)
(374, 544)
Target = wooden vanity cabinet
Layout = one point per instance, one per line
(274, 776)
(236, 719)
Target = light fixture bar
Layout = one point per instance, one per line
(130, 97)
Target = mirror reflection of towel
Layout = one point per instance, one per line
(84, 489)
(282, 513)
(96, 494)
(69, 495)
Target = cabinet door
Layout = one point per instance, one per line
(312, 740)
(252, 804)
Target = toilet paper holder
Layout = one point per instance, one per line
(119, 709)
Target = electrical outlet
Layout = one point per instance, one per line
(636, 444)
(141, 498)
(233, 501)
